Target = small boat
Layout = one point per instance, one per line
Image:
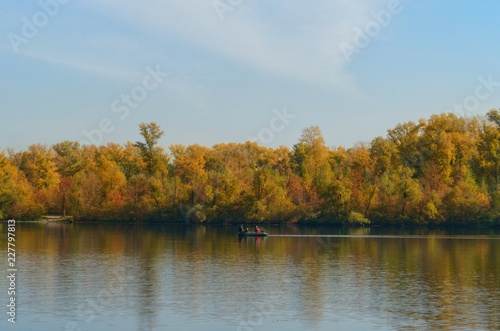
(252, 234)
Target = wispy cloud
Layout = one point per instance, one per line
(84, 65)
(298, 40)
(288, 38)
(105, 53)
(189, 91)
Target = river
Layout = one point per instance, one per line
(192, 277)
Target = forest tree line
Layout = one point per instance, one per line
(441, 170)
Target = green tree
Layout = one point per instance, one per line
(399, 195)
(385, 154)
(310, 155)
(464, 203)
(406, 138)
(151, 153)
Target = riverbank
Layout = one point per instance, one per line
(250, 223)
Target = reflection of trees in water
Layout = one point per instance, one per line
(200, 273)
(148, 284)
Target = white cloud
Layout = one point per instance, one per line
(287, 38)
(82, 64)
(298, 40)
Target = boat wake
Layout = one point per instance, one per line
(386, 236)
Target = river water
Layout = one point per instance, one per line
(188, 277)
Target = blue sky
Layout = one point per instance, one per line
(355, 68)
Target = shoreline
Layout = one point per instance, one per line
(315, 224)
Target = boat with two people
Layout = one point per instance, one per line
(257, 233)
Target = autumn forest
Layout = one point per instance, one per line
(441, 170)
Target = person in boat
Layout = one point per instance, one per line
(257, 229)
(241, 228)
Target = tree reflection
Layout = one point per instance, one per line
(208, 273)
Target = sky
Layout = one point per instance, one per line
(219, 71)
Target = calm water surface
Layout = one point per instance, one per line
(150, 277)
